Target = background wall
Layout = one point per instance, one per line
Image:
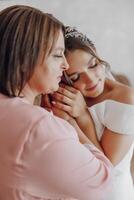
(109, 23)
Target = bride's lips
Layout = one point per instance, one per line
(93, 87)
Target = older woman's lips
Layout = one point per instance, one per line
(59, 78)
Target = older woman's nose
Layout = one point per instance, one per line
(65, 63)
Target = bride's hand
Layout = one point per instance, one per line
(69, 100)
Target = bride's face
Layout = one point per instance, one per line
(86, 72)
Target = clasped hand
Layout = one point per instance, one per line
(69, 100)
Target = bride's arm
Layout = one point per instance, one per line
(70, 100)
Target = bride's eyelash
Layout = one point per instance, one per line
(93, 66)
(75, 77)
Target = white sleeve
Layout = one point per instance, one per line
(119, 117)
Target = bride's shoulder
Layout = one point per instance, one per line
(123, 93)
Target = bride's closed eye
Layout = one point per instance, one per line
(94, 64)
(75, 77)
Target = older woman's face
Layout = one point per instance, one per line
(47, 75)
(86, 72)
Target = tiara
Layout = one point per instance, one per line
(71, 32)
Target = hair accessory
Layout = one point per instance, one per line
(71, 32)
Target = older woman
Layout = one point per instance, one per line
(41, 156)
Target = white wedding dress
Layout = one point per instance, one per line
(117, 117)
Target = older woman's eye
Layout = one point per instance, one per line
(58, 56)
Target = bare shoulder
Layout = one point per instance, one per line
(123, 93)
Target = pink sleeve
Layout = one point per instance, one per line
(67, 165)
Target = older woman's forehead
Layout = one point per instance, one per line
(60, 45)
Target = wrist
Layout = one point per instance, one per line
(83, 114)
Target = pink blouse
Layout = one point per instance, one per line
(41, 157)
